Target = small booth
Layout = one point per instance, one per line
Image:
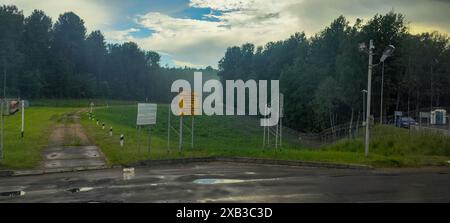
(438, 117)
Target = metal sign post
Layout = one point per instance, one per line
(180, 143)
(23, 119)
(280, 121)
(277, 130)
(188, 105)
(168, 129)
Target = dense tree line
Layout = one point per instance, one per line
(322, 77)
(42, 59)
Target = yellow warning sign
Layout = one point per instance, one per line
(188, 103)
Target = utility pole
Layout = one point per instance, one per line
(364, 92)
(369, 94)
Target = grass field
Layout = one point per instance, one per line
(241, 136)
(23, 153)
(214, 136)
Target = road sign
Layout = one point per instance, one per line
(146, 114)
(424, 114)
(188, 103)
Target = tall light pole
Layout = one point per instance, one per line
(369, 95)
(364, 92)
(387, 53)
(363, 48)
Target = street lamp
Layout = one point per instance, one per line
(363, 48)
(387, 53)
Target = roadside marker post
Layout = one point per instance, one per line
(122, 140)
(110, 131)
(91, 107)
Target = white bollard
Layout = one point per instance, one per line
(110, 131)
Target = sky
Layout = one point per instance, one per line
(196, 33)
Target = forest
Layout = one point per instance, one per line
(42, 59)
(322, 77)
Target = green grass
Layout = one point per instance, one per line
(26, 153)
(226, 136)
(400, 147)
(215, 135)
(242, 136)
(392, 141)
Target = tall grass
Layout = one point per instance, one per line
(388, 140)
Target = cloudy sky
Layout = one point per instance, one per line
(197, 32)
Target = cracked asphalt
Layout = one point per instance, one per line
(231, 182)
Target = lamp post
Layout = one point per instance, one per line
(364, 92)
(363, 48)
(387, 53)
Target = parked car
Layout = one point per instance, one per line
(405, 122)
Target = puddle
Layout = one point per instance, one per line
(12, 193)
(80, 189)
(217, 181)
(210, 181)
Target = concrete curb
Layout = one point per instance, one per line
(247, 160)
(252, 161)
(6, 173)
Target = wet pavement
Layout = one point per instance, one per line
(231, 182)
(69, 147)
(70, 157)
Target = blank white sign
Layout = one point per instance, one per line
(146, 114)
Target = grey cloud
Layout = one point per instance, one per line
(318, 13)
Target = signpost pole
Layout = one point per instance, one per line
(276, 136)
(149, 138)
(192, 131)
(23, 118)
(281, 132)
(264, 136)
(168, 130)
(181, 134)
(138, 141)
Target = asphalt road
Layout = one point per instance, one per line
(231, 182)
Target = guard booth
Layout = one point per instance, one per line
(438, 117)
